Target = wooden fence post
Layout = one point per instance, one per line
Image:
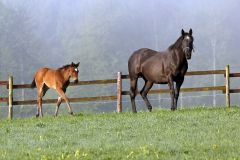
(10, 98)
(119, 92)
(227, 83)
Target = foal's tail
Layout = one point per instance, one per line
(33, 85)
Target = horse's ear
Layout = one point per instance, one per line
(190, 31)
(72, 64)
(77, 64)
(183, 32)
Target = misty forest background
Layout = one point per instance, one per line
(102, 34)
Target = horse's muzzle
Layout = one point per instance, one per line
(188, 52)
(188, 55)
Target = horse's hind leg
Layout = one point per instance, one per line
(39, 101)
(147, 86)
(133, 92)
(41, 92)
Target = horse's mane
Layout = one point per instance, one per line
(177, 44)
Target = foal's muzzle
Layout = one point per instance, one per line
(76, 80)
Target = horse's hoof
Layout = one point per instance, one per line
(150, 109)
(71, 113)
(134, 111)
(173, 109)
(37, 115)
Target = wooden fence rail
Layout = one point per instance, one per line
(119, 92)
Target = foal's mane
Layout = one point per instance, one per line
(64, 67)
(177, 44)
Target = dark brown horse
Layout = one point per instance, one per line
(164, 67)
(59, 79)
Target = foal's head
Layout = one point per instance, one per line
(72, 71)
(187, 43)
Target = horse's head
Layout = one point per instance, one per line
(187, 43)
(73, 69)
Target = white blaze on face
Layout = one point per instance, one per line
(187, 37)
(76, 69)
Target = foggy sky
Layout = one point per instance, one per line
(102, 34)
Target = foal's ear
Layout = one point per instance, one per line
(77, 64)
(183, 32)
(190, 31)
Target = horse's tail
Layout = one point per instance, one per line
(33, 85)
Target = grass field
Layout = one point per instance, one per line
(184, 134)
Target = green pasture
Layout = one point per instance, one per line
(199, 133)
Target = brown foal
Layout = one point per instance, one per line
(58, 79)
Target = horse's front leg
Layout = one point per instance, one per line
(62, 94)
(172, 93)
(59, 101)
(177, 90)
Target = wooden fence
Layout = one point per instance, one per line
(225, 88)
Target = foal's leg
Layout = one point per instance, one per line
(147, 86)
(41, 92)
(59, 103)
(178, 86)
(133, 90)
(62, 94)
(172, 93)
(38, 106)
(39, 100)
